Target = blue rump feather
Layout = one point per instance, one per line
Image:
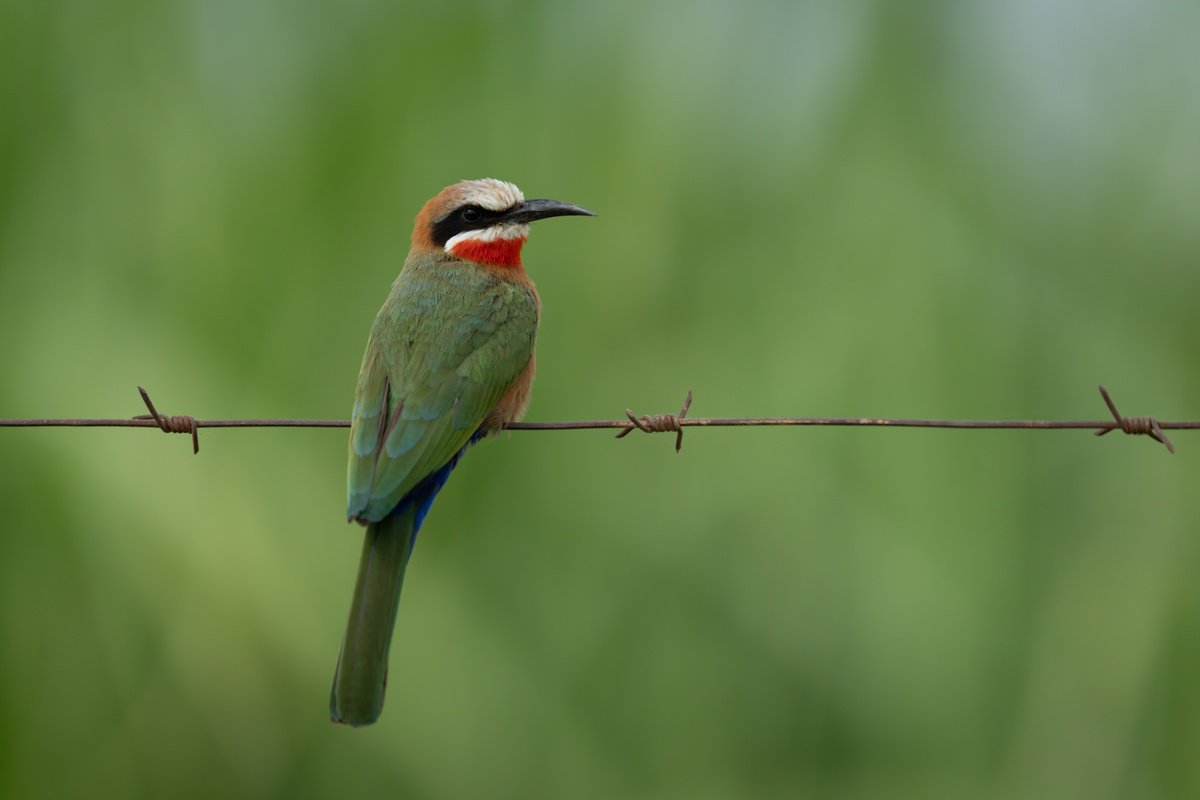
(424, 492)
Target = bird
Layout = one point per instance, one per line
(449, 361)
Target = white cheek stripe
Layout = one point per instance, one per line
(503, 231)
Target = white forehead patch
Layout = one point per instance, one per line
(489, 193)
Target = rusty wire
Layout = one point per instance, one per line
(657, 423)
(660, 423)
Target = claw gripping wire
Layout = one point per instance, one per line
(1134, 426)
(660, 423)
(176, 424)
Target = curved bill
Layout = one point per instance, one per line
(531, 210)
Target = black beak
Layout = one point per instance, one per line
(532, 210)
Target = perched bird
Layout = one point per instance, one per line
(449, 361)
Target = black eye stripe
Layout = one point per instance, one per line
(462, 219)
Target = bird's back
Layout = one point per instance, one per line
(450, 342)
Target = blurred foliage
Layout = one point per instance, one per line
(905, 209)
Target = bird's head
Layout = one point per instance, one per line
(485, 221)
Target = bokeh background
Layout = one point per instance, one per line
(962, 209)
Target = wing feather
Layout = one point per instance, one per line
(445, 347)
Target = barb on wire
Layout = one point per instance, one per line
(661, 423)
(656, 423)
(1134, 426)
(180, 424)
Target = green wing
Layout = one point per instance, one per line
(447, 344)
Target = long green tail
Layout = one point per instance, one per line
(361, 677)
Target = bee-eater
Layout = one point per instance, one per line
(449, 361)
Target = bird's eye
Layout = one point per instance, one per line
(470, 214)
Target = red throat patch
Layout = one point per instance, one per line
(496, 253)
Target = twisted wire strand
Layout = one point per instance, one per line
(660, 423)
(656, 423)
(180, 423)
(1134, 426)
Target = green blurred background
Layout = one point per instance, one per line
(962, 209)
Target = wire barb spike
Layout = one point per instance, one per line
(176, 424)
(660, 423)
(1134, 426)
(1147, 426)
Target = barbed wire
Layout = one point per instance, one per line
(657, 423)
